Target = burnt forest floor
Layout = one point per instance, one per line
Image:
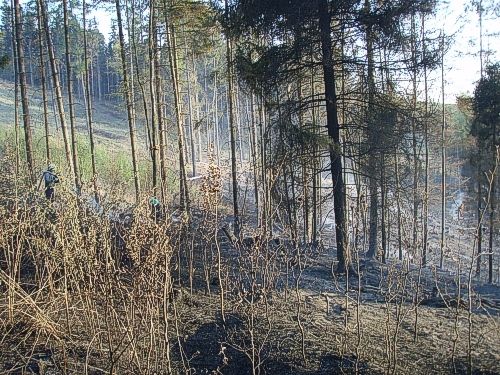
(284, 311)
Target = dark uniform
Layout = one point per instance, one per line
(50, 179)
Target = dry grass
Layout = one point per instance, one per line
(119, 293)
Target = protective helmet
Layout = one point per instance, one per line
(153, 201)
(51, 167)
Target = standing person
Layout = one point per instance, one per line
(50, 179)
(156, 209)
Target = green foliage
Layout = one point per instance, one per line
(299, 141)
(264, 68)
(459, 122)
(486, 105)
(197, 22)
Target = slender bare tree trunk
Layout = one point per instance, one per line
(208, 128)
(372, 143)
(333, 132)
(492, 203)
(129, 101)
(30, 59)
(237, 113)
(316, 172)
(232, 128)
(152, 50)
(426, 141)
(16, 94)
(443, 160)
(43, 84)
(480, 14)
(88, 102)
(172, 48)
(383, 209)
(151, 133)
(479, 173)
(305, 174)
(56, 84)
(216, 115)
(197, 107)
(287, 172)
(69, 83)
(158, 100)
(414, 134)
(190, 107)
(479, 216)
(253, 138)
(12, 269)
(398, 204)
(28, 137)
(267, 215)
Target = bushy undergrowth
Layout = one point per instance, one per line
(81, 280)
(122, 291)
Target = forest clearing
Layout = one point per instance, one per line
(247, 187)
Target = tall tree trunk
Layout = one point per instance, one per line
(98, 78)
(333, 131)
(129, 101)
(316, 169)
(197, 106)
(479, 173)
(426, 141)
(373, 139)
(43, 84)
(108, 77)
(152, 50)
(16, 95)
(305, 173)
(151, 141)
(383, 208)
(398, 204)
(253, 138)
(190, 106)
(207, 109)
(216, 114)
(479, 215)
(174, 71)
(30, 61)
(24, 91)
(287, 172)
(492, 203)
(13, 269)
(158, 100)
(414, 135)
(76, 168)
(232, 127)
(267, 178)
(237, 113)
(56, 84)
(88, 102)
(443, 160)
(479, 5)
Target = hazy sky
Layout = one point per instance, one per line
(462, 60)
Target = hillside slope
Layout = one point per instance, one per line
(110, 122)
